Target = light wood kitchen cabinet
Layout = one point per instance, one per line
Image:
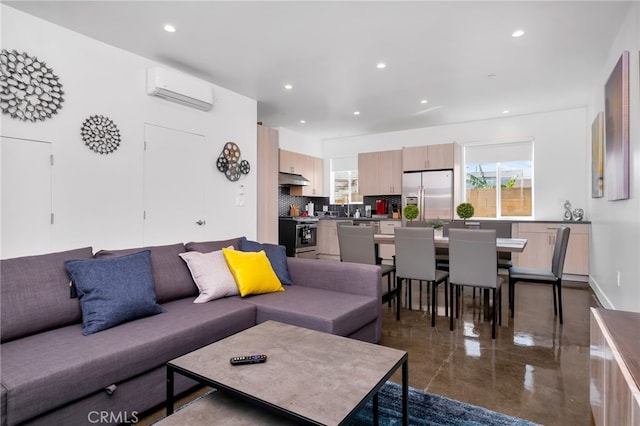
(318, 176)
(541, 238)
(289, 162)
(328, 247)
(380, 173)
(430, 157)
(367, 173)
(267, 188)
(310, 167)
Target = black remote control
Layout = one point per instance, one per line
(248, 359)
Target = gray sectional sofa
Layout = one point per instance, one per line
(53, 374)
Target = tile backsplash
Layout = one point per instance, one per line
(285, 200)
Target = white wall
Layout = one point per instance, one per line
(290, 140)
(615, 230)
(97, 199)
(560, 163)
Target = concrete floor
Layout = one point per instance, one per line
(535, 369)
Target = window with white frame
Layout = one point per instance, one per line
(344, 181)
(499, 179)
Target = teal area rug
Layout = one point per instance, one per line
(429, 409)
(424, 409)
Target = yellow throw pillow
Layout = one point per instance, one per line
(252, 271)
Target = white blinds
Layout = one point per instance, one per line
(499, 152)
(344, 164)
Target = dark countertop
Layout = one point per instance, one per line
(573, 222)
(576, 222)
(355, 219)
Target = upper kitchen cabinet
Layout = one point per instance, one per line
(290, 162)
(307, 166)
(380, 173)
(312, 170)
(431, 157)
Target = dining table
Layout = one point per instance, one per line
(505, 245)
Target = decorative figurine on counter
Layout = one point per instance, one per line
(568, 215)
(578, 214)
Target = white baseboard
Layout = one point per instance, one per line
(573, 277)
(602, 298)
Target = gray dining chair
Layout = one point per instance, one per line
(357, 245)
(472, 262)
(416, 260)
(553, 276)
(442, 254)
(503, 230)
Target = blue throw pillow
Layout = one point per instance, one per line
(276, 254)
(114, 290)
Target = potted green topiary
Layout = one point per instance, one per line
(411, 212)
(465, 210)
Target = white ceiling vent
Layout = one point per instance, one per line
(181, 88)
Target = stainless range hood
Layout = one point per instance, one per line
(290, 179)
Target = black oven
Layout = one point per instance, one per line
(299, 235)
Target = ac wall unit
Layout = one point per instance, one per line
(181, 88)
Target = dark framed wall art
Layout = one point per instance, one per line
(616, 109)
(597, 156)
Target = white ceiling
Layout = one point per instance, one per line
(444, 52)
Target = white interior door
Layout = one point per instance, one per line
(174, 173)
(26, 197)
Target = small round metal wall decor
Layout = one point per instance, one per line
(100, 134)
(230, 164)
(29, 90)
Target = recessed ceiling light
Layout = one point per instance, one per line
(517, 33)
(424, 101)
(288, 86)
(356, 112)
(381, 65)
(302, 121)
(170, 28)
(506, 111)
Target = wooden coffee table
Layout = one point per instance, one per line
(310, 377)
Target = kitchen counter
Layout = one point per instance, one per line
(355, 219)
(572, 222)
(577, 222)
(526, 220)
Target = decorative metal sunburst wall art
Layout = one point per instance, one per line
(230, 164)
(100, 134)
(29, 90)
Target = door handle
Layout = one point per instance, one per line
(200, 222)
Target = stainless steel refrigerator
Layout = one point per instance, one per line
(431, 191)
